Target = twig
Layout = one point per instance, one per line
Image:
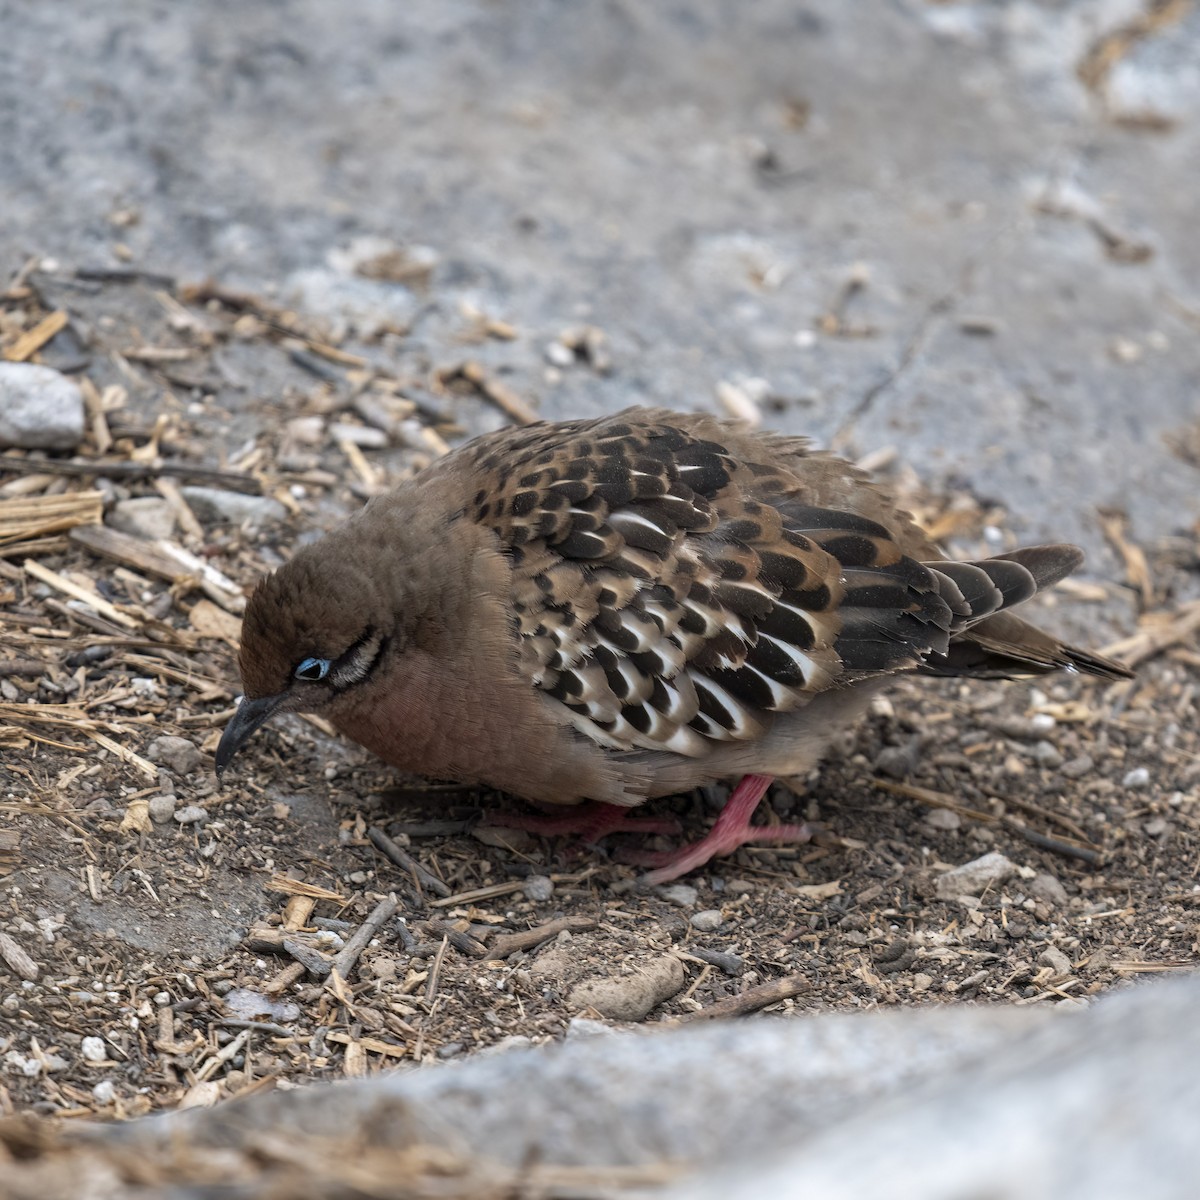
(119, 469)
(343, 962)
(405, 861)
(484, 893)
(1065, 846)
(313, 961)
(459, 939)
(23, 668)
(526, 939)
(502, 396)
(257, 1026)
(421, 829)
(285, 979)
(728, 962)
(1049, 815)
(752, 999)
(436, 969)
(932, 799)
(125, 275)
(89, 597)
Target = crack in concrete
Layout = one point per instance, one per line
(916, 342)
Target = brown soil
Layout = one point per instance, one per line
(166, 941)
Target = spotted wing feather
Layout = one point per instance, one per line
(672, 594)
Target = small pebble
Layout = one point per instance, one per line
(104, 1092)
(162, 809)
(1014, 766)
(681, 894)
(738, 887)
(708, 920)
(1056, 960)
(944, 818)
(899, 761)
(974, 877)
(1047, 756)
(92, 1049)
(1078, 767)
(191, 814)
(538, 888)
(144, 517)
(1047, 889)
(1139, 777)
(177, 753)
(449, 1049)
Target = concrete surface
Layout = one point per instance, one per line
(698, 180)
(940, 1104)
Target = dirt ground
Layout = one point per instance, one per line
(174, 939)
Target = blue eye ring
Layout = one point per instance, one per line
(313, 670)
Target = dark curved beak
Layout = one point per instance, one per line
(249, 716)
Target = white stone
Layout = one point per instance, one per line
(975, 877)
(144, 517)
(92, 1049)
(40, 408)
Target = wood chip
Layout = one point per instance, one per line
(15, 956)
(297, 887)
(32, 340)
(484, 893)
(1160, 630)
(374, 1045)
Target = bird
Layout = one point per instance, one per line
(598, 612)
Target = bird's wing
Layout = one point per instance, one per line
(671, 593)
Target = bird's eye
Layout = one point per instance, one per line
(313, 669)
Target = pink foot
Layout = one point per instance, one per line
(590, 821)
(731, 830)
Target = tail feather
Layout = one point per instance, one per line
(1047, 564)
(989, 642)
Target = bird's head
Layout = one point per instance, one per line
(314, 631)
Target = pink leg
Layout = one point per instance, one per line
(590, 821)
(731, 830)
